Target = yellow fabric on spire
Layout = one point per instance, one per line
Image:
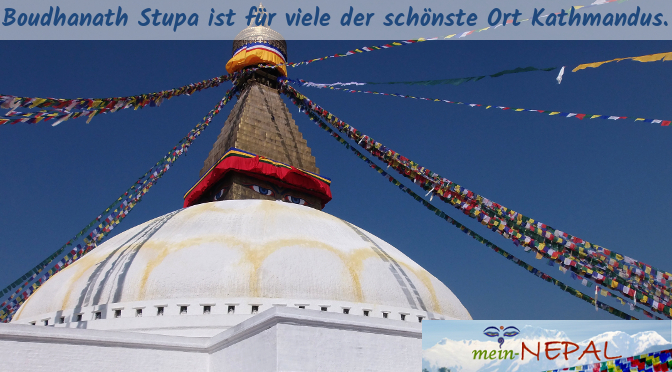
(257, 56)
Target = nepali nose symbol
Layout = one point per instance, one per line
(505, 332)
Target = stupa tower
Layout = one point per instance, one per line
(260, 124)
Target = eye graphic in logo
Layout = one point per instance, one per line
(505, 332)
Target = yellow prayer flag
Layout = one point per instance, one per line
(595, 64)
(539, 256)
(37, 102)
(647, 58)
(449, 36)
(654, 57)
(554, 113)
(93, 113)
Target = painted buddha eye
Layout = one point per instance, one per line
(219, 194)
(262, 191)
(294, 200)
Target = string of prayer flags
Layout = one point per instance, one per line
(507, 231)
(459, 81)
(647, 58)
(584, 281)
(576, 115)
(532, 270)
(61, 109)
(658, 361)
(454, 81)
(105, 223)
(564, 269)
(596, 263)
(414, 41)
(603, 291)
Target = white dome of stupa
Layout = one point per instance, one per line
(208, 267)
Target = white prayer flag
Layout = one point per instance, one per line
(562, 72)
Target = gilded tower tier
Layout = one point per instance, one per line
(260, 126)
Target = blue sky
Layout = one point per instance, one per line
(605, 181)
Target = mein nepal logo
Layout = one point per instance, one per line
(506, 332)
(549, 350)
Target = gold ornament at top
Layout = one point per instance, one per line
(262, 33)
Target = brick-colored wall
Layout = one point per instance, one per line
(260, 123)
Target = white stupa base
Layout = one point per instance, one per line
(278, 339)
(124, 317)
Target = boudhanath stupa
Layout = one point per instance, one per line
(250, 275)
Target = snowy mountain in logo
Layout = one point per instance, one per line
(458, 355)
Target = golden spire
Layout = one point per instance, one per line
(264, 17)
